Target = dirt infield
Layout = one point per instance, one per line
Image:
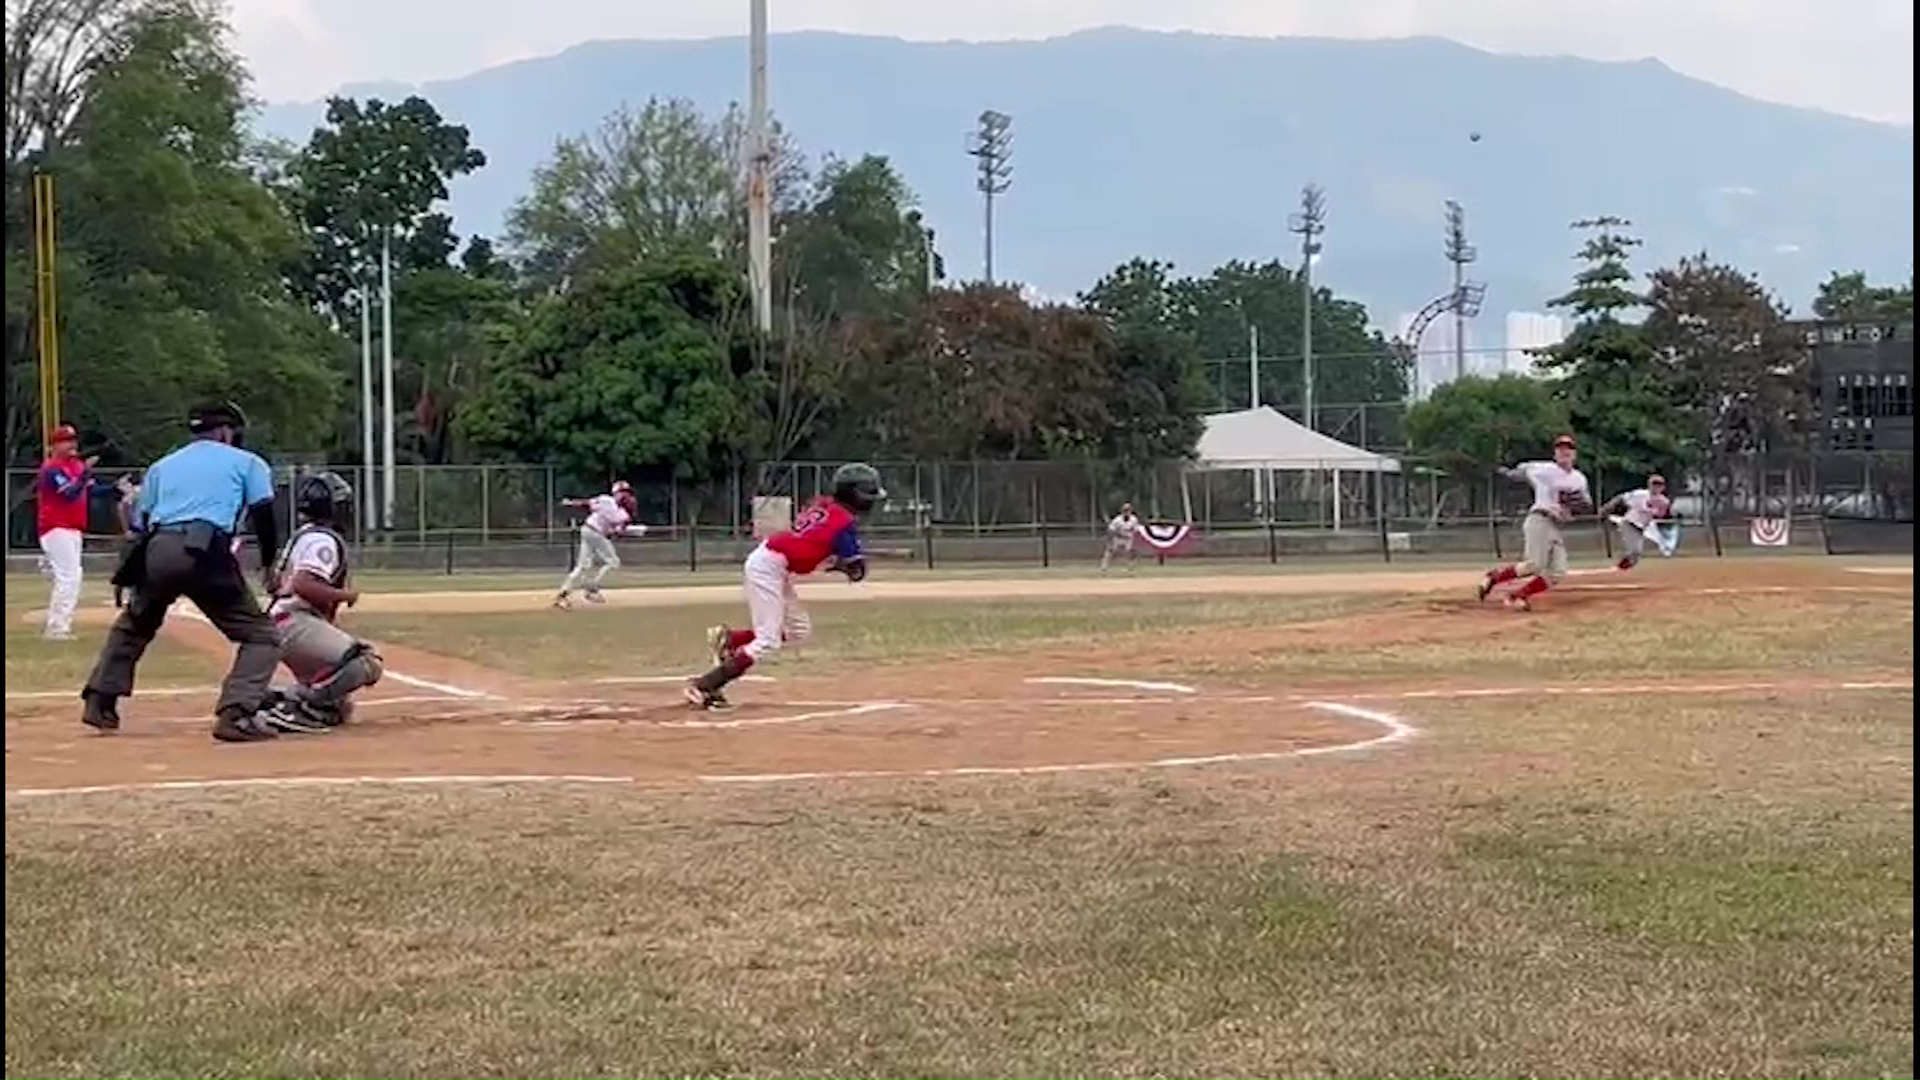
(436, 718)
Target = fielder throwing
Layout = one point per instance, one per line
(823, 536)
(1638, 514)
(1560, 493)
(1121, 532)
(608, 516)
(311, 583)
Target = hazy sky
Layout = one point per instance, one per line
(1850, 56)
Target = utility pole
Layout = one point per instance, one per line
(1310, 222)
(759, 172)
(991, 144)
(1460, 253)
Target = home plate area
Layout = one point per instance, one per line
(946, 723)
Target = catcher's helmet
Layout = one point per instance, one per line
(322, 496)
(856, 486)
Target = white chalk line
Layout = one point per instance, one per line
(618, 680)
(1729, 590)
(1137, 684)
(1888, 571)
(397, 676)
(842, 712)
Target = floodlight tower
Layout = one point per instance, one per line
(1466, 300)
(1310, 222)
(991, 145)
(759, 171)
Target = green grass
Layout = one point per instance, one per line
(34, 663)
(615, 640)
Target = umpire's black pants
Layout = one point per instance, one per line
(210, 578)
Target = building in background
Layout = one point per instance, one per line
(1863, 382)
(1527, 332)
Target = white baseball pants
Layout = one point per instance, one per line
(595, 558)
(772, 603)
(62, 549)
(1546, 548)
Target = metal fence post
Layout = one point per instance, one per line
(548, 515)
(1380, 507)
(1493, 517)
(486, 504)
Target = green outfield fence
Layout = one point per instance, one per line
(494, 517)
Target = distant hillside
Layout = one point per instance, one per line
(1193, 148)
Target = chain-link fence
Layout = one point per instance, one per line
(448, 518)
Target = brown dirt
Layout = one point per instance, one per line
(974, 713)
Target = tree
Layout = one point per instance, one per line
(1159, 390)
(1471, 425)
(369, 169)
(628, 373)
(1735, 363)
(664, 180)
(1849, 296)
(447, 324)
(857, 247)
(1618, 396)
(170, 250)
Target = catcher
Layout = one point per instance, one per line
(1560, 493)
(824, 536)
(311, 583)
(1637, 515)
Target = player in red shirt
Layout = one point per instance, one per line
(64, 485)
(823, 535)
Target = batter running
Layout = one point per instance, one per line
(824, 536)
(608, 516)
(1560, 493)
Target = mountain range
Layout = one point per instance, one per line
(1193, 149)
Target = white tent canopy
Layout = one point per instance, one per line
(1261, 439)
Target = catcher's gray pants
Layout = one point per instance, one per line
(595, 559)
(1546, 548)
(328, 662)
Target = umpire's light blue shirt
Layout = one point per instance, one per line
(205, 480)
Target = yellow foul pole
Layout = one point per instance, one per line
(48, 305)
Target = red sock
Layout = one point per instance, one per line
(1535, 586)
(1503, 574)
(739, 639)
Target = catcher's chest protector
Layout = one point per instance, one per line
(282, 583)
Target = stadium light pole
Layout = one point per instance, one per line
(1460, 253)
(991, 145)
(368, 487)
(1310, 222)
(759, 171)
(386, 375)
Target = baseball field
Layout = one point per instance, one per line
(1344, 823)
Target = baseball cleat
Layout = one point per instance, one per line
(254, 727)
(1518, 603)
(702, 699)
(717, 643)
(562, 602)
(1485, 587)
(101, 713)
(594, 597)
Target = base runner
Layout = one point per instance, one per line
(608, 516)
(310, 585)
(1121, 533)
(1637, 514)
(1560, 493)
(824, 536)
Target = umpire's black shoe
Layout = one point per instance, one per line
(243, 727)
(99, 712)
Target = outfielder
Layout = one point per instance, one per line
(1637, 514)
(823, 536)
(1121, 532)
(311, 582)
(608, 516)
(1560, 493)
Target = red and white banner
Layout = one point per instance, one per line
(1166, 538)
(1768, 532)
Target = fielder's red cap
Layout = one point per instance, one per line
(1564, 440)
(64, 433)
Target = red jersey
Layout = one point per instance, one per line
(824, 529)
(64, 486)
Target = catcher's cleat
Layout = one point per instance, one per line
(718, 638)
(1485, 587)
(294, 718)
(1518, 603)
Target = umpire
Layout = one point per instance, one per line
(190, 509)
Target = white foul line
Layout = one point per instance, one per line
(410, 680)
(745, 722)
(1069, 680)
(317, 781)
(616, 680)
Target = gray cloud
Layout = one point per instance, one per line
(1849, 56)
